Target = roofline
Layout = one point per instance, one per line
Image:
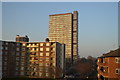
(108, 56)
(39, 42)
(60, 14)
(30, 42)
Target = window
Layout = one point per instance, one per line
(22, 68)
(18, 44)
(41, 64)
(23, 54)
(6, 48)
(22, 58)
(33, 44)
(37, 44)
(47, 54)
(17, 63)
(16, 73)
(47, 74)
(47, 64)
(22, 73)
(40, 74)
(17, 58)
(47, 44)
(41, 44)
(37, 49)
(33, 49)
(41, 54)
(24, 44)
(117, 60)
(41, 59)
(47, 49)
(46, 69)
(41, 69)
(41, 49)
(17, 49)
(23, 49)
(29, 44)
(6, 43)
(17, 68)
(47, 59)
(17, 54)
(117, 71)
(22, 63)
(53, 49)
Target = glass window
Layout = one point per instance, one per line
(33, 49)
(33, 44)
(117, 60)
(41, 59)
(117, 71)
(17, 58)
(47, 64)
(17, 49)
(41, 44)
(17, 63)
(22, 73)
(23, 49)
(22, 58)
(37, 49)
(46, 74)
(23, 54)
(40, 74)
(41, 69)
(47, 59)
(24, 44)
(17, 54)
(6, 43)
(16, 73)
(47, 54)
(6, 48)
(47, 49)
(29, 44)
(18, 44)
(41, 49)
(17, 68)
(41, 54)
(22, 68)
(41, 64)
(47, 44)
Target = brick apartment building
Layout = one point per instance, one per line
(32, 59)
(109, 66)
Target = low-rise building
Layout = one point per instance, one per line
(109, 66)
(33, 59)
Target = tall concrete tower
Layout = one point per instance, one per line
(63, 28)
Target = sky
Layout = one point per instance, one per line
(98, 23)
(59, 0)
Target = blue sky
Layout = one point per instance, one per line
(98, 23)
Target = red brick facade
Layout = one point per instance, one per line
(109, 67)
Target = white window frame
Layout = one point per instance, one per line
(117, 60)
(118, 71)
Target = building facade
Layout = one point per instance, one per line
(63, 28)
(33, 59)
(109, 66)
(0, 59)
(22, 38)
